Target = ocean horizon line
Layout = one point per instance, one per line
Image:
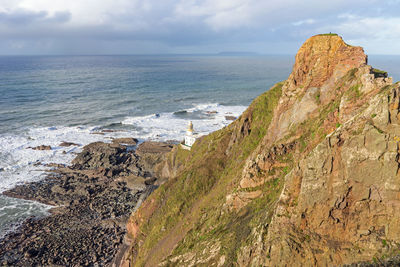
(222, 54)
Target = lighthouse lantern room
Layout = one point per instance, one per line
(190, 137)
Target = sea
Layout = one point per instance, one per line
(47, 100)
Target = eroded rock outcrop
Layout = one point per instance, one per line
(321, 58)
(308, 175)
(322, 215)
(320, 62)
(339, 203)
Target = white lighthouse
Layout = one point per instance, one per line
(190, 137)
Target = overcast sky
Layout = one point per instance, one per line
(192, 26)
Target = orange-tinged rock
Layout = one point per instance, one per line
(240, 199)
(332, 150)
(320, 62)
(320, 56)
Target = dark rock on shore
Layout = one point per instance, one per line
(67, 144)
(41, 147)
(153, 148)
(125, 141)
(230, 118)
(93, 197)
(111, 159)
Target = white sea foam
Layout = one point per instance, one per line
(169, 126)
(13, 211)
(18, 163)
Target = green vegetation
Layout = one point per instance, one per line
(317, 97)
(351, 75)
(379, 73)
(328, 34)
(354, 92)
(378, 129)
(385, 87)
(189, 205)
(307, 238)
(311, 131)
(189, 217)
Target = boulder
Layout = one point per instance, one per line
(41, 147)
(67, 144)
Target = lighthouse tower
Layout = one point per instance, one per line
(190, 137)
(189, 130)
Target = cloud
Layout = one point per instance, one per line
(378, 27)
(301, 22)
(137, 26)
(377, 34)
(23, 17)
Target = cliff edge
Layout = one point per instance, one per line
(307, 175)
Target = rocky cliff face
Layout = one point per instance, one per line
(308, 175)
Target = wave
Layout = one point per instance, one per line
(206, 118)
(19, 163)
(13, 212)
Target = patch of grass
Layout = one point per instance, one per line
(338, 125)
(373, 115)
(286, 170)
(211, 166)
(303, 143)
(379, 73)
(317, 97)
(307, 238)
(352, 73)
(260, 113)
(328, 34)
(378, 129)
(232, 230)
(188, 215)
(354, 92)
(386, 87)
(312, 131)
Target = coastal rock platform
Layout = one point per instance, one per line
(92, 201)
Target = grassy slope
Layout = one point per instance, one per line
(189, 217)
(188, 203)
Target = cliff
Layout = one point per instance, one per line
(307, 175)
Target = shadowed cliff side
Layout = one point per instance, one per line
(307, 175)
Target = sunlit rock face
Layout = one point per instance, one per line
(310, 175)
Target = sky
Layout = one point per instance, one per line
(47, 27)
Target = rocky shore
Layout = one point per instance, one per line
(92, 201)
